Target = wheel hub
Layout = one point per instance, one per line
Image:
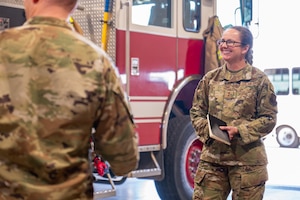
(192, 161)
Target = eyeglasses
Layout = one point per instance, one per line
(229, 43)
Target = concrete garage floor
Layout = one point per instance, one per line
(139, 189)
(283, 184)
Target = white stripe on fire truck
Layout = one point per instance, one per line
(147, 109)
(147, 121)
(149, 98)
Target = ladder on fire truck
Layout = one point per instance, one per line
(134, 174)
(106, 192)
(101, 168)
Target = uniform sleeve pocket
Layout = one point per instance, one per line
(199, 176)
(254, 178)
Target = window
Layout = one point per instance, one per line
(280, 80)
(296, 80)
(191, 15)
(152, 12)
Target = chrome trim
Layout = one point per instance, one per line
(108, 192)
(147, 172)
(149, 148)
(127, 44)
(170, 104)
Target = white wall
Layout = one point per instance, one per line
(228, 13)
(275, 28)
(278, 34)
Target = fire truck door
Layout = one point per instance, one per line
(165, 46)
(153, 63)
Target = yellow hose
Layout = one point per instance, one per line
(105, 32)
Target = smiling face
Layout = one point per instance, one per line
(231, 49)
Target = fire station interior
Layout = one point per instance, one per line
(15, 15)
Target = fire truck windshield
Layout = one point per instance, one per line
(159, 13)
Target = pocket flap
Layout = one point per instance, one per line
(199, 176)
(254, 178)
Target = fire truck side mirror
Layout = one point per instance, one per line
(246, 12)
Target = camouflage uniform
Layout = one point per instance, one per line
(244, 99)
(55, 87)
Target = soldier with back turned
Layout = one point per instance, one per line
(56, 86)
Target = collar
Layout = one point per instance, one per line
(236, 76)
(51, 21)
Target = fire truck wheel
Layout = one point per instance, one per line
(182, 156)
(286, 136)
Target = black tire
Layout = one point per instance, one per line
(286, 136)
(176, 184)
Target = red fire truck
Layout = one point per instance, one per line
(158, 47)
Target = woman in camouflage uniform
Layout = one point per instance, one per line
(243, 97)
